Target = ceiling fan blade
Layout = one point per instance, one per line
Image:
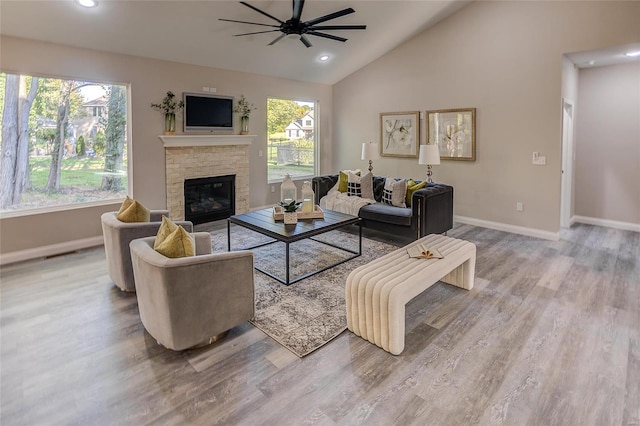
(297, 10)
(258, 32)
(328, 17)
(338, 27)
(260, 11)
(305, 41)
(332, 37)
(252, 23)
(280, 37)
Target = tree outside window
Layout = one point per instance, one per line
(63, 142)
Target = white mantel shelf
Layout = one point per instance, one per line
(180, 141)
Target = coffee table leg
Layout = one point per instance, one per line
(360, 239)
(287, 263)
(228, 235)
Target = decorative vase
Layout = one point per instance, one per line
(169, 124)
(290, 218)
(244, 125)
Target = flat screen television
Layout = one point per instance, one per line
(207, 113)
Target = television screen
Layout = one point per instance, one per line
(207, 113)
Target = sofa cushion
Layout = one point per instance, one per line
(360, 186)
(166, 228)
(177, 244)
(385, 213)
(343, 180)
(395, 191)
(133, 211)
(412, 187)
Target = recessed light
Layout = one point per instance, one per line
(87, 3)
(633, 53)
(592, 62)
(324, 58)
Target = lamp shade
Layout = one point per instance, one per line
(370, 151)
(429, 154)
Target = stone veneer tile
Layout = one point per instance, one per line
(196, 162)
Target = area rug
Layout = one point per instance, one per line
(308, 314)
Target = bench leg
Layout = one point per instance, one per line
(462, 276)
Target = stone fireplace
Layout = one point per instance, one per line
(204, 156)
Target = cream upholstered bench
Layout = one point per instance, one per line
(376, 293)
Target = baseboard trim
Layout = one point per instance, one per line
(625, 226)
(514, 229)
(50, 250)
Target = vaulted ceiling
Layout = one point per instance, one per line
(190, 32)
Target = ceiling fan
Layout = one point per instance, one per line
(294, 25)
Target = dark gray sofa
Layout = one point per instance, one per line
(431, 210)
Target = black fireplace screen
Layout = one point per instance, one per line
(209, 199)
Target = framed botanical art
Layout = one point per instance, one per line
(400, 134)
(454, 131)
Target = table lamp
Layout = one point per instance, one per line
(429, 155)
(370, 151)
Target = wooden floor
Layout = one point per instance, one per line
(550, 335)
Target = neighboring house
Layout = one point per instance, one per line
(301, 128)
(89, 125)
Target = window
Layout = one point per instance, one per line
(291, 147)
(64, 142)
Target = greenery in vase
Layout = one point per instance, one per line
(169, 104)
(290, 207)
(243, 107)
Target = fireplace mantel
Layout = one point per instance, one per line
(182, 141)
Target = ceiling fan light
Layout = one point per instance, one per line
(324, 58)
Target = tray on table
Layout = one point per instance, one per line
(317, 213)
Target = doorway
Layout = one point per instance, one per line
(568, 159)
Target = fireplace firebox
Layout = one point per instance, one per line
(209, 199)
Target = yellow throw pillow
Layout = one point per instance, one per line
(343, 180)
(166, 228)
(177, 244)
(126, 203)
(133, 211)
(412, 187)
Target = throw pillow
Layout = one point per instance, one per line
(343, 180)
(395, 191)
(366, 185)
(353, 185)
(412, 187)
(166, 228)
(179, 243)
(133, 211)
(126, 203)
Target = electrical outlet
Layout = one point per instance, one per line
(212, 90)
(260, 153)
(519, 206)
(205, 89)
(273, 188)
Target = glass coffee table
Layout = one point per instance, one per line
(262, 221)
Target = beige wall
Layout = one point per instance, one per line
(149, 81)
(505, 59)
(608, 144)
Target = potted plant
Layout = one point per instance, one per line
(169, 106)
(289, 211)
(244, 108)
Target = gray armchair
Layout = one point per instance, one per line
(117, 236)
(192, 301)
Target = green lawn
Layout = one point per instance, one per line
(76, 171)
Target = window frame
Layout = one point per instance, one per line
(316, 138)
(13, 213)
